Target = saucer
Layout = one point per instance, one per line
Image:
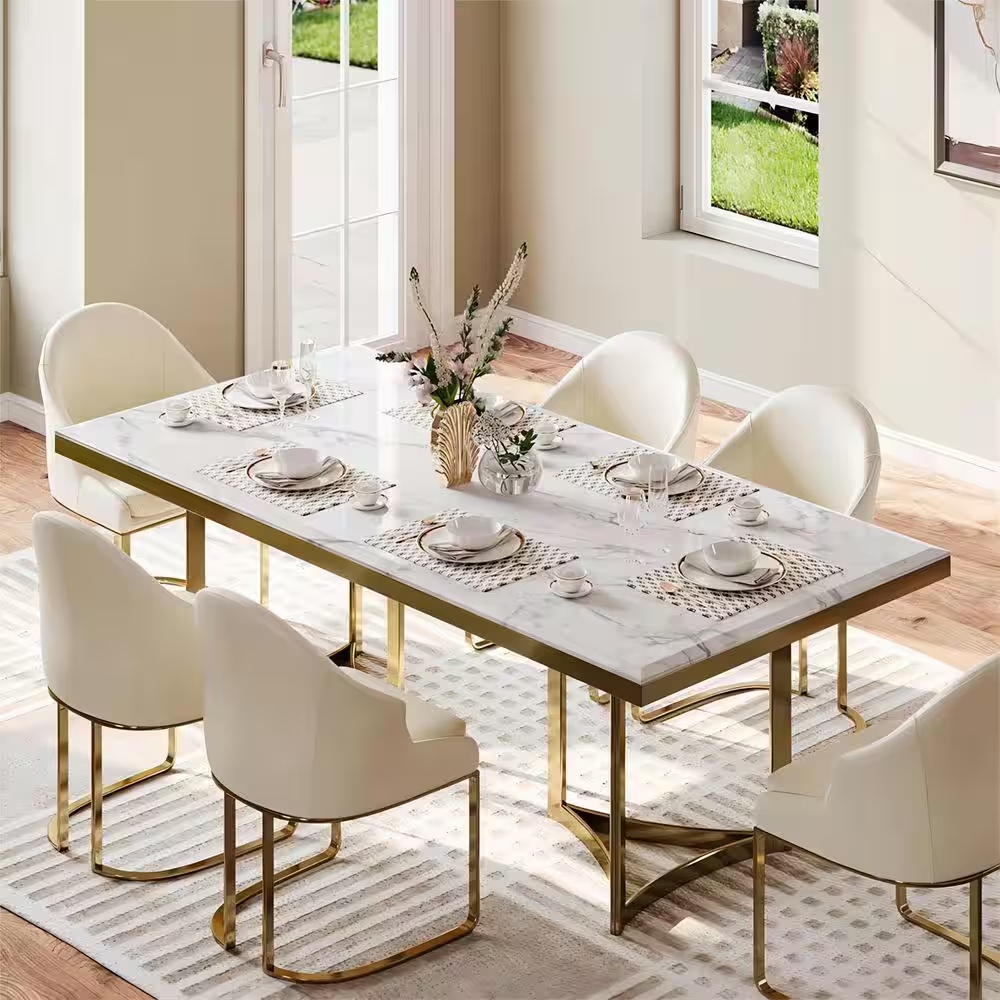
(170, 423)
(555, 443)
(381, 504)
(588, 586)
(761, 519)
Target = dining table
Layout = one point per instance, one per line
(642, 634)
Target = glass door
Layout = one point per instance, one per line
(345, 150)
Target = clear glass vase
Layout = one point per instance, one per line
(510, 479)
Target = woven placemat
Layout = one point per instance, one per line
(534, 557)
(210, 404)
(665, 583)
(421, 416)
(717, 488)
(233, 472)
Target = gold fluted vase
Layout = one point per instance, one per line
(453, 443)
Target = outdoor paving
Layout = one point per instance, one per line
(745, 66)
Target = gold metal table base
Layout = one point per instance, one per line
(478, 644)
(605, 833)
(354, 654)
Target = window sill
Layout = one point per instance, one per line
(756, 261)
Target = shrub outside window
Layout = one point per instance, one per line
(750, 126)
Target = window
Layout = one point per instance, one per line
(750, 124)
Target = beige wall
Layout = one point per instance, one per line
(163, 209)
(906, 309)
(477, 147)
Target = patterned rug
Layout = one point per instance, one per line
(400, 876)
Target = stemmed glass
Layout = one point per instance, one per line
(307, 373)
(657, 488)
(281, 383)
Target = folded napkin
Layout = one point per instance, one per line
(253, 395)
(278, 479)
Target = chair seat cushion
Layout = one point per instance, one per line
(142, 506)
(424, 720)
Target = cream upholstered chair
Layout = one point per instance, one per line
(97, 360)
(120, 650)
(820, 444)
(294, 736)
(640, 385)
(915, 805)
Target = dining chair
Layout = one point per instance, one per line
(121, 651)
(294, 736)
(916, 805)
(100, 359)
(817, 443)
(640, 385)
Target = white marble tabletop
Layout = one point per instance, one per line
(641, 647)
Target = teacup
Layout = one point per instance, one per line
(747, 510)
(177, 411)
(571, 578)
(546, 433)
(299, 463)
(367, 493)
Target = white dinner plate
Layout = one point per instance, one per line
(695, 570)
(510, 546)
(333, 475)
(239, 396)
(689, 485)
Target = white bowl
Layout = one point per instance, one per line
(258, 384)
(299, 463)
(731, 557)
(640, 465)
(473, 532)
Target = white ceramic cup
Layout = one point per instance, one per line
(367, 493)
(747, 510)
(546, 433)
(571, 578)
(178, 411)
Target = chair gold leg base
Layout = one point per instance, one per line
(856, 718)
(675, 708)
(171, 581)
(907, 912)
(478, 644)
(601, 697)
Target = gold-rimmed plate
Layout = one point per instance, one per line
(688, 485)
(237, 394)
(694, 570)
(509, 547)
(329, 477)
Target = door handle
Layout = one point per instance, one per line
(273, 57)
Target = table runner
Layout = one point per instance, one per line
(210, 404)
(233, 472)
(717, 488)
(665, 583)
(534, 557)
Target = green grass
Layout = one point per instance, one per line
(764, 169)
(316, 34)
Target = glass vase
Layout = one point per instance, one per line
(510, 479)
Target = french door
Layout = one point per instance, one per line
(349, 170)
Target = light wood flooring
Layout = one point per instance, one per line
(957, 620)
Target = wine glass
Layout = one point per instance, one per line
(657, 488)
(307, 373)
(281, 383)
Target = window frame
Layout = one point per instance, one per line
(697, 214)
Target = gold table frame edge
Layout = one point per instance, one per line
(972, 942)
(605, 834)
(634, 692)
(224, 918)
(58, 827)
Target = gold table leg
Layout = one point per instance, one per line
(195, 551)
(605, 834)
(803, 688)
(265, 575)
(852, 713)
(354, 653)
(478, 644)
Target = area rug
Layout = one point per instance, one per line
(400, 876)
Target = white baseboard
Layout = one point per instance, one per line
(23, 412)
(935, 458)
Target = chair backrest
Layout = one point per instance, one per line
(924, 801)
(814, 442)
(639, 384)
(108, 357)
(116, 645)
(287, 730)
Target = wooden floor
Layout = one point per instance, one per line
(957, 620)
